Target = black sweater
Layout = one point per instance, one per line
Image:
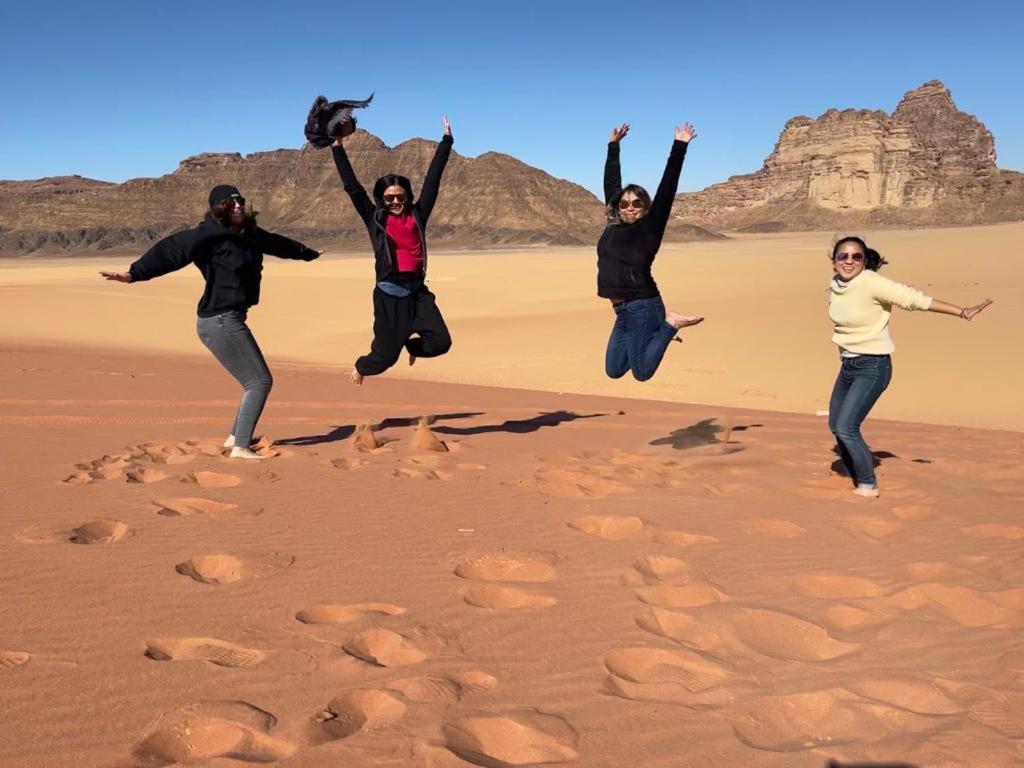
(375, 216)
(626, 252)
(231, 262)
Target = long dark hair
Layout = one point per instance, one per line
(872, 259)
(221, 212)
(392, 180)
(612, 209)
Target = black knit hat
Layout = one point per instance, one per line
(222, 192)
(329, 118)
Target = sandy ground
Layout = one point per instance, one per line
(576, 580)
(530, 319)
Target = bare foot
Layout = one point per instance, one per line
(357, 377)
(678, 321)
(871, 493)
(244, 453)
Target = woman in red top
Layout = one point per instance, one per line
(405, 312)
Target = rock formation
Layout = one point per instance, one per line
(928, 163)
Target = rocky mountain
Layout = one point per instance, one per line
(490, 200)
(927, 163)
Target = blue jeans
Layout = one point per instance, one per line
(232, 343)
(639, 338)
(860, 383)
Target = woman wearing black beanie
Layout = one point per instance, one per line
(227, 247)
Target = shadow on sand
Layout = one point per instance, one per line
(704, 432)
(346, 431)
(520, 426)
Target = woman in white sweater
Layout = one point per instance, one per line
(860, 303)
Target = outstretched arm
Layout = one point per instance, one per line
(360, 200)
(432, 182)
(661, 206)
(281, 246)
(967, 313)
(168, 255)
(612, 170)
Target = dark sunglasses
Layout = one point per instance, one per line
(849, 257)
(399, 198)
(233, 199)
(635, 203)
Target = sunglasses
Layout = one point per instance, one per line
(233, 199)
(635, 203)
(849, 257)
(399, 198)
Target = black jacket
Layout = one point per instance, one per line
(375, 216)
(626, 252)
(231, 262)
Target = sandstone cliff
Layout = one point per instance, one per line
(926, 164)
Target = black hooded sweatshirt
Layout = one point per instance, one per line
(626, 252)
(374, 216)
(231, 262)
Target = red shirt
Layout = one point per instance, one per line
(405, 243)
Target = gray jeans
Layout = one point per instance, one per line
(232, 343)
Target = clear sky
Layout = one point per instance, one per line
(115, 89)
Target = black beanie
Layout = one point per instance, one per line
(222, 192)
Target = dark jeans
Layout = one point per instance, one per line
(395, 319)
(232, 343)
(860, 383)
(639, 339)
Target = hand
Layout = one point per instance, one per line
(120, 277)
(968, 313)
(447, 126)
(618, 134)
(686, 133)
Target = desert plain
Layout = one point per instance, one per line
(552, 568)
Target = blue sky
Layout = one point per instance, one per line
(115, 90)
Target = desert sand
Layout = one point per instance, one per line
(530, 319)
(532, 577)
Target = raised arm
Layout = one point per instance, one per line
(661, 206)
(432, 182)
(281, 246)
(168, 255)
(612, 170)
(360, 200)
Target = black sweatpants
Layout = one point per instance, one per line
(395, 320)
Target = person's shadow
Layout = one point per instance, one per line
(877, 457)
(520, 426)
(346, 431)
(704, 432)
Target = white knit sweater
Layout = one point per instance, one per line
(859, 310)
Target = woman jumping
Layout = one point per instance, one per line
(405, 312)
(625, 253)
(860, 304)
(228, 249)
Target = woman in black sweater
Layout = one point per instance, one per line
(405, 312)
(227, 247)
(625, 253)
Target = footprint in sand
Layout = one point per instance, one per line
(877, 528)
(78, 478)
(365, 441)
(212, 479)
(1002, 711)
(724, 630)
(682, 538)
(911, 512)
(967, 607)
(360, 711)
(497, 566)
(11, 659)
(185, 507)
(230, 729)
(422, 474)
(905, 692)
(612, 527)
(824, 718)
(212, 569)
(995, 531)
(669, 676)
(574, 484)
(691, 595)
(349, 464)
(498, 597)
(779, 529)
(383, 648)
(103, 531)
(344, 614)
(834, 586)
(219, 652)
(507, 739)
(655, 568)
(443, 690)
(145, 475)
(107, 473)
